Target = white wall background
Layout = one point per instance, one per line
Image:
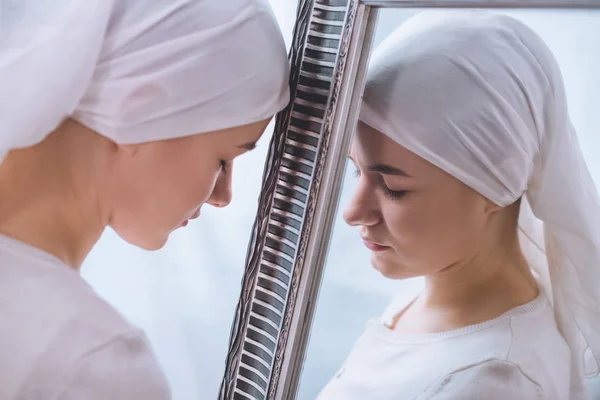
(184, 295)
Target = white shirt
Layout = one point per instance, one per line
(60, 341)
(517, 356)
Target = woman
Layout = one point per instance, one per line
(464, 136)
(125, 114)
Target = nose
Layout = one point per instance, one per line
(222, 192)
(362, 209)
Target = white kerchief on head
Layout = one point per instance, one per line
(481, 96)
(138, 70)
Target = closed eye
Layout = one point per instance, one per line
(389, 193)
(394, 194)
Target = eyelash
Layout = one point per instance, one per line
(394, 194)
(388, 193)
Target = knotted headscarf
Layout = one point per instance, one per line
(137, 70)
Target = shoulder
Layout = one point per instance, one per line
(109, 358)
(87, 349)
(541, 352)
(123, 367)
(490, 380)
(63, 338)
(92, 366)
(524, 357)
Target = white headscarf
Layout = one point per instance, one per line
(137, 70)
(481, 96)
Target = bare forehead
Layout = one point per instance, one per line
(373, 147)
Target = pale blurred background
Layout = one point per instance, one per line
(184, 296)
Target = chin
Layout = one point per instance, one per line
(151, 246)
(146, 242)
(391, 269)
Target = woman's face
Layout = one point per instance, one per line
(415, 218)
(157, 187)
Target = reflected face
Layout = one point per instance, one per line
(159, 186)
(415, 218)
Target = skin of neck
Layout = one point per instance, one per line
(50, 193)
(490, 281)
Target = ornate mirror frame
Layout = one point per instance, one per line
(301, 188)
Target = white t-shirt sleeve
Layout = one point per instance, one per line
(124, 368)
(490, 380)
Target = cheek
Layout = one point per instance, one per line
(155, 197)
(186, 170)
(192, 181)
(152, 193)
(433, 230)
(413, 225)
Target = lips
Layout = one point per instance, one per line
(374, 246)
(196, 214)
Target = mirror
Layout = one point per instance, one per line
(352, 291)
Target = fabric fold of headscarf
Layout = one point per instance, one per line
(481, 96)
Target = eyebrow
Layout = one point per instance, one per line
(387, 170)
(384, 169)
(248, 146)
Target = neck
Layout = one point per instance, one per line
(47, 196)
(483, 275)
(472, 291)
(483, 287)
